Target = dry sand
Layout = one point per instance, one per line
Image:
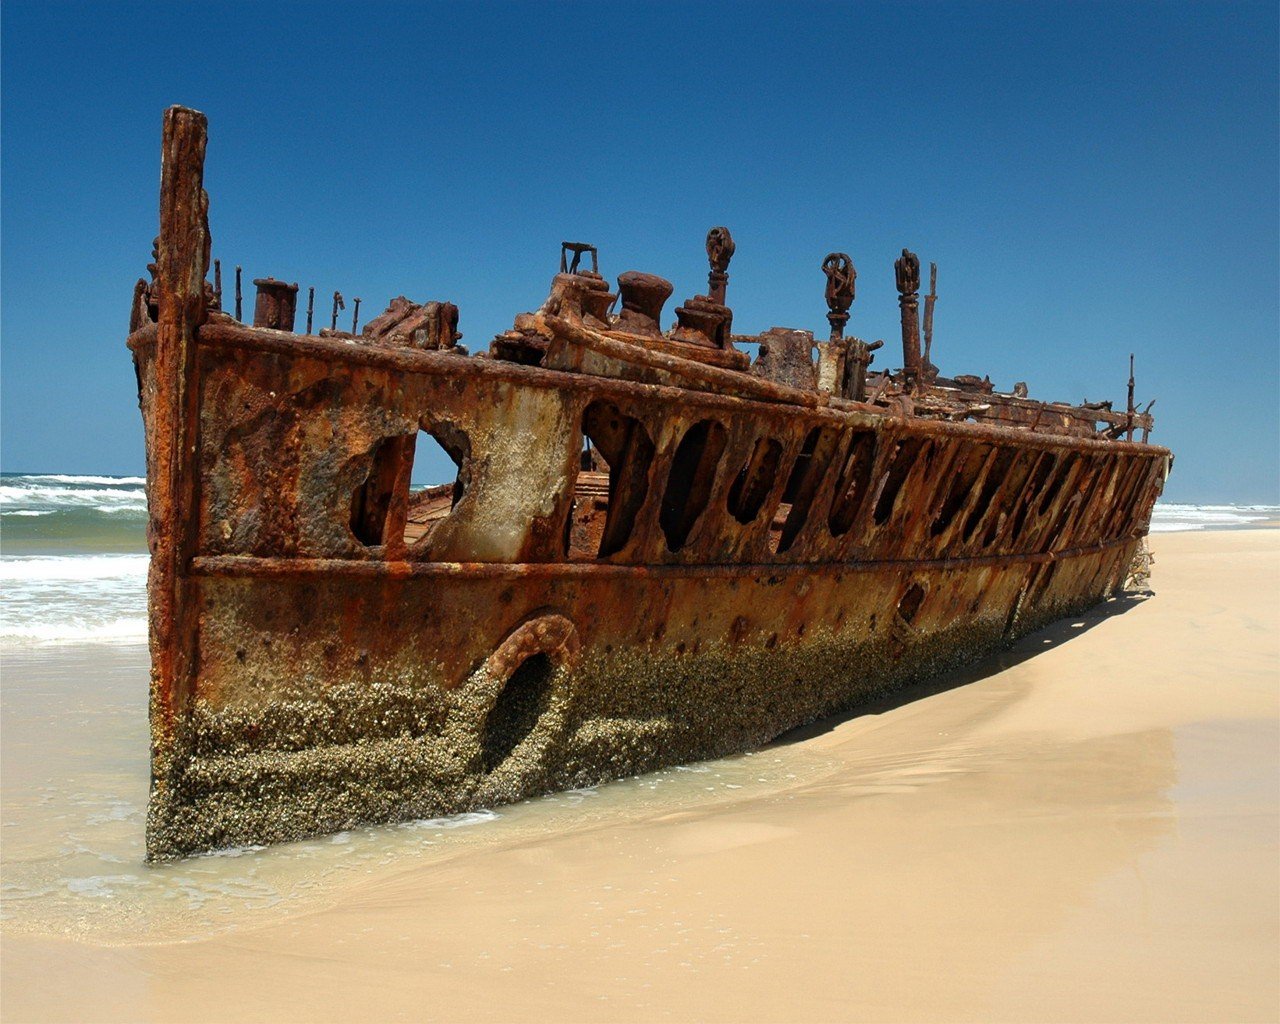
(1087, 830)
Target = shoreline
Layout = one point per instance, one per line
(970, 850)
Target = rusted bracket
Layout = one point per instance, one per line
(577, 248)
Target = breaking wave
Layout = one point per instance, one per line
(1172, 518)
(74, 565)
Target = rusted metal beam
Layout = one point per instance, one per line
(172, 472)
(250, 566)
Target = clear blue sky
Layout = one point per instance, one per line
(1092, 179)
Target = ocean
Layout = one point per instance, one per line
(73, 554)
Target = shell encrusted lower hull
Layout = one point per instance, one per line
(324, 701)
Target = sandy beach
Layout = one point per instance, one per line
(1084, 828)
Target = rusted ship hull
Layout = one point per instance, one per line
(735, 558)
(337, 685)
(366, 731)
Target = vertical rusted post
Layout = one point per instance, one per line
(1130, 407)
(238, 297)
(907, 274)
(720, 250)
(841, 284)
(217, 283)
(311, 305)
(851, 357)
(337, 305)
(172, 492)
(355, 315)
(394, 547)
(929, 301)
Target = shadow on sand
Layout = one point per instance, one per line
(1027, 647)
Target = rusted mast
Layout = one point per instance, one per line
(173, 489)
(929, 301)
(1129, 435)
(907, 274)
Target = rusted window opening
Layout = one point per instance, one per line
(961, 487)
(371, 500)
(1139, 475)
(852, 483)
(1030, 492)
(624, 445)
(689, 483)
(521, 703)
(1015, 478)
(904, 458)
(433, 503)
(1133, 490)
(755, 480)
(1097, 485)
(1116, 511)
(998, 467)
(1064, 468)
(909, 603)
(801, 465)
(1082, 489)
(807, 474)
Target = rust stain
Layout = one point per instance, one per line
(653, 550)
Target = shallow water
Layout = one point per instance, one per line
(74, 788)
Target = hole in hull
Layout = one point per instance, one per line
(852, 485)
(515, 713)
(693, 471)
(909, 603)
(623, 444)
(966, 475)
(437, 451)
(802, 485)
(755, 480)
(999, 467)
(903, 461)
(371, 500)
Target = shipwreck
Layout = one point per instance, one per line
(655, 550)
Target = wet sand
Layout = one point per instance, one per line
(1085, 830)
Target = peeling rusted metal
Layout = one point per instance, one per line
(652, 552)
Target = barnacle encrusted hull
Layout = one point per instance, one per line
(296, 735)
(652, 551)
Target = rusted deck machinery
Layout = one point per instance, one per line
(654, 550)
